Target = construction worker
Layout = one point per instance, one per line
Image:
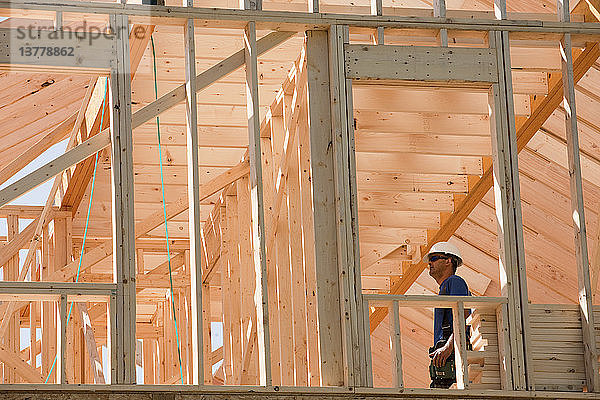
(443, 259)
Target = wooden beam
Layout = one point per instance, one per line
(251, 52)
(322, 166)
(20, 367)
(138, 41)
(201, 373)
(90, 343)
(10, 249)
(46, 210)
(143, 115)
(206, 78)
(52, 137)
(54, 167)
(156, 219)
(577, 207)
(524, 133)
(510, 246)
(123, 223)
(298, 101)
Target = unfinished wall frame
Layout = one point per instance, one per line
(313, 111)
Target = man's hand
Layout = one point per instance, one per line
(440, 355)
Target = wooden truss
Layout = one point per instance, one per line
(301, 193)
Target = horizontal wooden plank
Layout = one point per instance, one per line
(375, 234)
(422, 163)
(411, 182)
(409, 99)
(415, 122)
(420, 63)
(372, 141)
(405, 201)
(399, 219)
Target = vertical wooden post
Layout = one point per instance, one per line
(377, 9)
(111, 338)
(577, 207)
(325, 221)
(504, 347)
(396, 344)
(269, 194)
(367, 333)
(297, 270)
(460, 345)
(256, 194)
(226, 223)
(12, 274)
(309, 248)
(191, 112)
(206, 332)
(123, 204)
(61, 344)
(246, 281)
(513, 276)
(48, 309)
(148, 362)
(439, 10)
(347, 210)
(33, 315)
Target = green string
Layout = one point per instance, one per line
(162, 184)
(87, 221)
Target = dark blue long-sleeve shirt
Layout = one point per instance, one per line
(454, 285)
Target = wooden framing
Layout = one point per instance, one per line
(257, 204)
(577, 207)
(272, 253)
(123, 206)
(195, 262)
(328, 289)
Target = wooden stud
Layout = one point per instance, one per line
(246, 279)
(200, 374)
(231, 261)
(504, 347)
(268, 169)
(439, 10)
(256, 191)
(297, 271)
(234, 297)
(396, 345)
(341, 131)
(284, 291)
(460, 346)
(90, 343)
(12, 272)
(577, 207)
(123, 204)
(504, 187)
(322, 165)
(61, 372)
(308, 238)
(377, 9)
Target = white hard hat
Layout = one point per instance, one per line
(443, 248)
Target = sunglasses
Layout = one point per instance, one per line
(435, 258)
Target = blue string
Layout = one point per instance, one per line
(87, 221)
(162, 184)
